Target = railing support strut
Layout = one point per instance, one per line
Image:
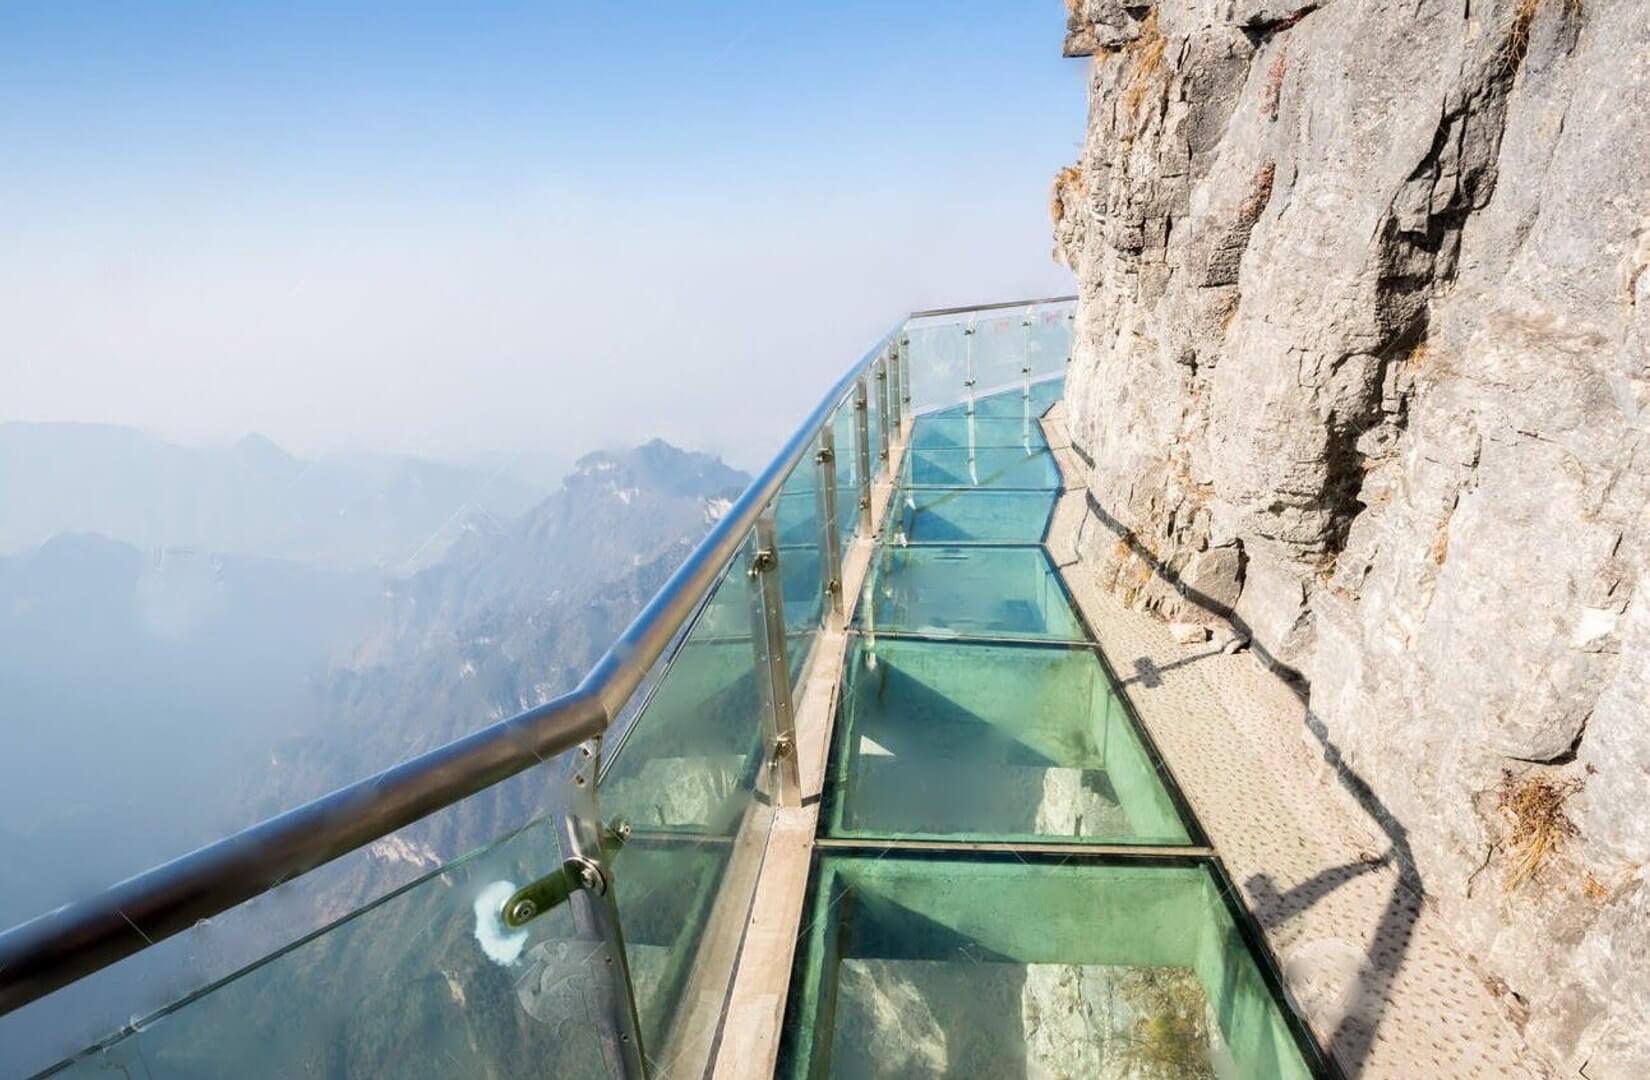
(773, 668)
(596, 913)
(830, 534)
(862, 451)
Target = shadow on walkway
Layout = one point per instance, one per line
(1354, 1036)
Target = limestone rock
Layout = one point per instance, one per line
(1188, 633)
(1363, 341)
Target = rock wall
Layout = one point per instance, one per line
(1362, 368)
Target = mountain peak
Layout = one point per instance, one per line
(260, 448)
(660, 466)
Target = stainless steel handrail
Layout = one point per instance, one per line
(933, 312)
(89, 934)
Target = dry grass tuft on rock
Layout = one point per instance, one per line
(1524, 13)
(1147, 53)
(1069, 186)
(1539, 825)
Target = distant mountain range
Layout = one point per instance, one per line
(161, 691)
(252, 498)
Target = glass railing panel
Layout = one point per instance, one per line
(1010, 404)
(962, 591)
(1046, 393)
(847, 472)
(969, 516)
(1024, 965)
(986, 467)
(692, 779)
(800, 532)
(1000, 341)
(969, 741)
(873, 423)
(425, 983)
(937, 354)
(958, 433)
(1051, 331)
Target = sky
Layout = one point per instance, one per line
(467, 230)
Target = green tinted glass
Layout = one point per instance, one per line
(1024, 966)
(957, 433)
(847, 472)
(426, 983)
(1009, 404)
(960, 740)
(691, 777)
(990, 467)
(947, 591)
(968, 515)
(799, 526)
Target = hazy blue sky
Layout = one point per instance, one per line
(457, 228)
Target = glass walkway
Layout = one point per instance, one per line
(998, 890)
(1001, 880)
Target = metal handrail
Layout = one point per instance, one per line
(934, 312)
(87, 935)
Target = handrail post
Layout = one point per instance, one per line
(830, 536)
(1025, 381)
(773, 669)
(883, 423)
(1025, 356)
(895, 363)
(862, 451)
(968, 379)
(905, 375)
(596, 912)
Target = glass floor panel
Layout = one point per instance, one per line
(952, 433)
(1009, 404)
(969, 515)
(969, 741)
(1027, 966)
(999, 467)
(958, 591)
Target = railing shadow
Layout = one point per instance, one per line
(1149, 673)
(1354, 1036)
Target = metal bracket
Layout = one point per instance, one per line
(588, 879)
(553, 890)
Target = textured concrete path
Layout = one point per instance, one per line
(1363, 957)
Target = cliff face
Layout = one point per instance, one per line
(1362, 366)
